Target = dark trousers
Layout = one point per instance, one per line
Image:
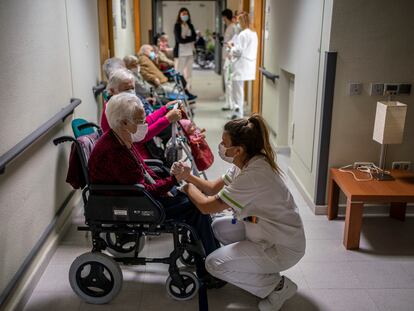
(179, 207)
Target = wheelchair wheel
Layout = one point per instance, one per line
(122, 244)
(95, 277)
(185, 291)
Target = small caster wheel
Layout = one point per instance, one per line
(95, 277)
(186, 290)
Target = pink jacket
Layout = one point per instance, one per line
(157, 121)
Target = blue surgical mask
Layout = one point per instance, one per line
(152, 55)
(184, 18)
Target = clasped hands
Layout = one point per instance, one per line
(180, 170)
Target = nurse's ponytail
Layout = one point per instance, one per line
(253, 135)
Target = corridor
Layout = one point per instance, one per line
(378, 278)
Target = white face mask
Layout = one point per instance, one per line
(140, 134)
(222, 153)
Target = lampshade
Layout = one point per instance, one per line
(389, 122)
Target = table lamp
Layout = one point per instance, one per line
(388, 129)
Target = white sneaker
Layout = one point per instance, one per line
(277, 298)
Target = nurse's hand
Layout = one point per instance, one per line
(181, 170)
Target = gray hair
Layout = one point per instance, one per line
(122, 107)
(112, 64)
(144, 48)
(130, 60)
(118, 77)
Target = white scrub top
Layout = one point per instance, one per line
(231, 31)
(244, 54)
(257, 190)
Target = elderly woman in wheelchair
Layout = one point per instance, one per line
(128, 199)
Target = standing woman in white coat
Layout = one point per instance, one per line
(185, 37)
(266, 235)
(243, 53)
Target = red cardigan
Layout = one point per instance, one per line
(112, 163)
(157, 122)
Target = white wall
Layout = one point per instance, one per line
(124, 39)
(375, 43)
(202, 16)
(49, 53)
(297, 38)
(145, 11)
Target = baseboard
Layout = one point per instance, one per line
(39, 258)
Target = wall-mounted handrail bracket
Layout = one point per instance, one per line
(268, 75)
(25, 143)
(99, 88)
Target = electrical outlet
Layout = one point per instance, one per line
(355, 89)
(359, 164)
(377, 89)
(391, 88)
(405, 88)
(401, 165)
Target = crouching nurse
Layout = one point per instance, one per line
(265, 236)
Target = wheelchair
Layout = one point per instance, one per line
(118, 217)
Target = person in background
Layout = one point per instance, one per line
(165, 46)
(142, 87)
(200, 42)
(243, 52)
(108, 67)
(152, 74)
(185, 36)
(163, 62)
(230, 32)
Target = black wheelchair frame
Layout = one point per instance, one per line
(129, 212)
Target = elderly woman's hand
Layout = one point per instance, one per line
(173, 115)
(180, 170)
(171, 103)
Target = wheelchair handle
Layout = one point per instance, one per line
(90, 124)
(63, 139)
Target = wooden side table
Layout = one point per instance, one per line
(397, 192)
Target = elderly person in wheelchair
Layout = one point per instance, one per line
(116, 160)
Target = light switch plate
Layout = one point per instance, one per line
(377, 89)
(355, 89)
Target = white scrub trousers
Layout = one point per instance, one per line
(184, 65)
(237, 96)
(228, 88)
(244, 263)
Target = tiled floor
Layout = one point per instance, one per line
(380, 276)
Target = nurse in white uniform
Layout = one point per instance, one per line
(265, 236)
(243, 54)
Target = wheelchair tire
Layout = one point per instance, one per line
(117, 248)
(95, 277)
(190, 289)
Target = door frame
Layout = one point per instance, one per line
(257, 24)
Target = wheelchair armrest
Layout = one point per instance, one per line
(153, 162)
(63, 139)
(136, 187)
